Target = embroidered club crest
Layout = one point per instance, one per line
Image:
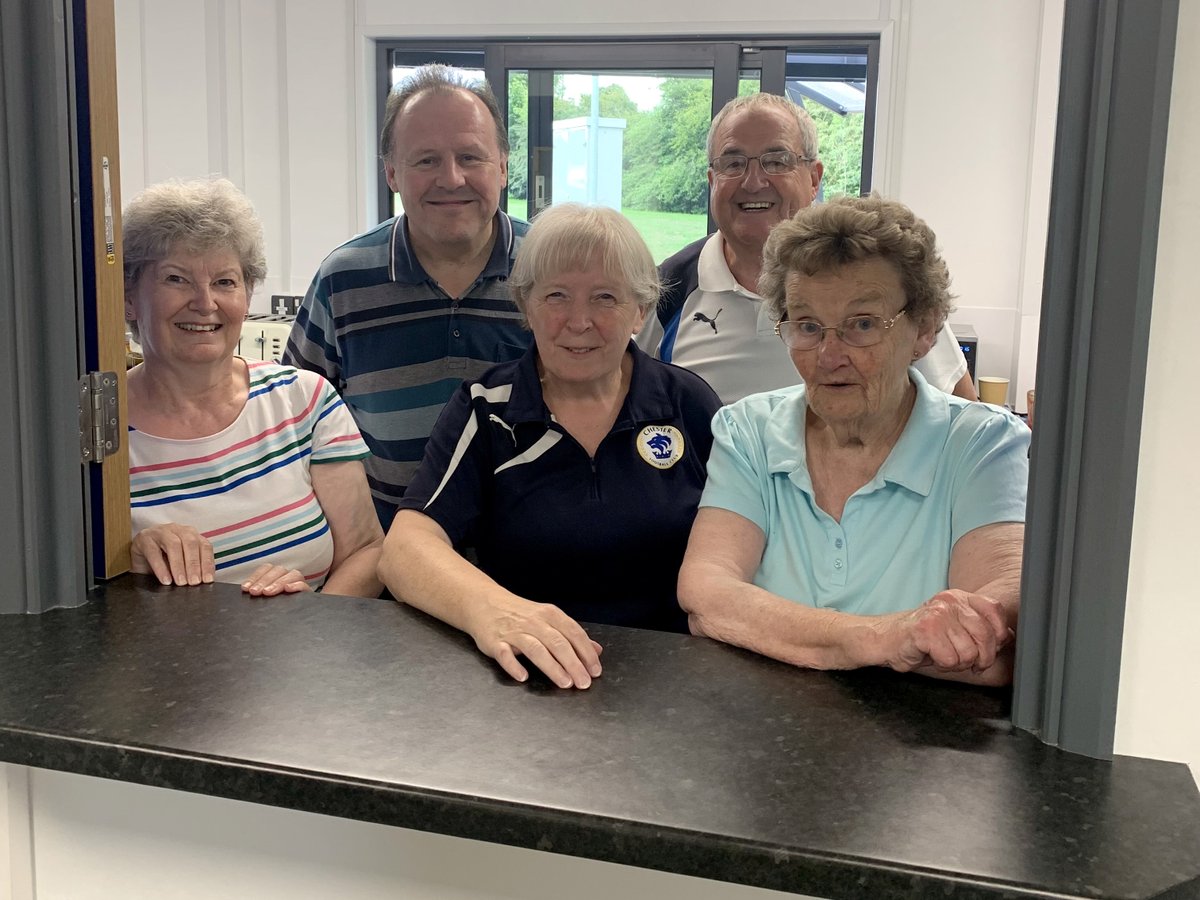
(660, 445)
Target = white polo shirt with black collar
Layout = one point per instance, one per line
(710, 324)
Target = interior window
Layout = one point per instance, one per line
(630, 133)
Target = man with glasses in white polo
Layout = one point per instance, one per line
(763, 168)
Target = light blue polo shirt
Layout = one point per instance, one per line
(957, 465)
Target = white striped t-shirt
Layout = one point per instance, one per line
(247, 487)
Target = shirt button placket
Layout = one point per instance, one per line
(839, 556)
(457, 356)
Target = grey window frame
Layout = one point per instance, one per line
(1114, 98)
(45, 531)
(1097, 298)
(726, 55)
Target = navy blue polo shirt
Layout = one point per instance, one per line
(601, 538)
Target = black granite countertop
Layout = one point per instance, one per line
(686, 755)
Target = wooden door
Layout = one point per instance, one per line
(100, 221)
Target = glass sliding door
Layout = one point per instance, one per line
(837, 88)
(624, 123)
(632, 140)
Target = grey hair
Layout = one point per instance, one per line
(442, 79)
(569, 237)
(827, 236)
(198, 215)
(808, 128)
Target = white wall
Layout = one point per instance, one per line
(1158, 709)
(262, 91)
(94, 839)
(976, 98)
(16, 847)
(280, 96)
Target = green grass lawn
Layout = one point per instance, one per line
(665, 232)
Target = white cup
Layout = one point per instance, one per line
(993, 389)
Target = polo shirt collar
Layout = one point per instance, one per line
(649, 398)
(914, 460)
(407, 269)
(712, 271)
(784, 437)
(912, 463)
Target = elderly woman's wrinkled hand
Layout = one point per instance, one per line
(174, 554)
(544, 635)
(269, 580)
(953, 631)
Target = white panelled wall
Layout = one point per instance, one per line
(280, 97)
(262, 92)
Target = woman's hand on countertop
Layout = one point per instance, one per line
(269, 580)
(174, 554)
(543, 634)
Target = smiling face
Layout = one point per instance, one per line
(447, 167)
(582, 321)
(855, 385)
(190, 306)
(747, 208)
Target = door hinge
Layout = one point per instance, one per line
(99, 423)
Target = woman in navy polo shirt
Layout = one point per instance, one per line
(573, 473)
(863, 517)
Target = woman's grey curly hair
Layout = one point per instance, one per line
(826, 236)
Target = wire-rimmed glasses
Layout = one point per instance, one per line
(855, 331)
(773, 162)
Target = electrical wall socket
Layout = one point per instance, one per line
(285, 304)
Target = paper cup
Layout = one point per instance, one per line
(993, 389)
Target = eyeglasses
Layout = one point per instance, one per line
(776, 162)
(856, 331)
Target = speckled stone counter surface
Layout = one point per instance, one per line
(686, 755)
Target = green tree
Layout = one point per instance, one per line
(518, 135)
(614, 103)
(565, 108)
(664, 150)
(840, 138)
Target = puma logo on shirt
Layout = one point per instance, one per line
(701, 317)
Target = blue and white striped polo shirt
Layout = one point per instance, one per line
(396, 346)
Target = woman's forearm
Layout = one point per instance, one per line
(717, 593)
(725, 608)
(357, 575)
(423, 570)
(988, 561)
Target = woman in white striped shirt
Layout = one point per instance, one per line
(240, 472)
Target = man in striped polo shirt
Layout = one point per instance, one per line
(397, 317)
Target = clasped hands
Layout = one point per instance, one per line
(179, 554)
(954, 631)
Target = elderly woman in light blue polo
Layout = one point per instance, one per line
(862, 518)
